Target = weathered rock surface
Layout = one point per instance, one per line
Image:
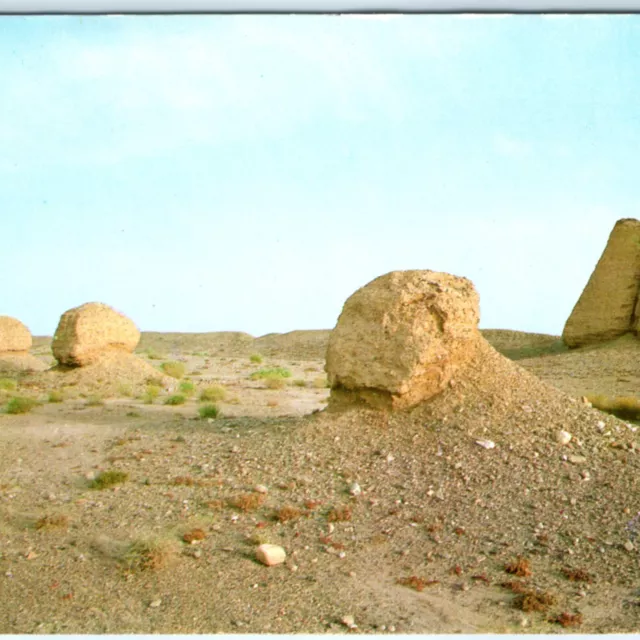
(401, 338)
(608, 306)
(91, 331)
(14, 336)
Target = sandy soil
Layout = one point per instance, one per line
(421, 545)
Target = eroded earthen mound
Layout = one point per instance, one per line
(401, 338)
(607, 307)
(15, 342)
(109, 375)
(89, 332)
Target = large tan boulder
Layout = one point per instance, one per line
(605, 310)
(14, 336)
(401, 338)
(15, 342)
(89, 332)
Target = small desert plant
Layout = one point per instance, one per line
(144, 555)
(152, 354)
(173, 369)
(299, 383)
(247, 501)
(256, 358)
(213, 394)
(175, 400)
(108, 479)
(152, 392)
(94, 401)
(287, 514)
(194, 535)
(52, 522)
(21, 404)
(7, 384)
(275, 372)
(519, 567)
(415, 582)
(209, 411)
(187, 388)
(339, 514)
(56, 396)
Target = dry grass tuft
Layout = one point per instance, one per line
(247, 501)
(534, 601)
(173, 369)
(213, 394)
(519, 567)
(287, 514)
(339, 514)
(195, 535)
(49, 522)
(577, 575)
(414, 582)
(568, 619)
(147, 555)
(275, 383)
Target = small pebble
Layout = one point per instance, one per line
(629, 546)
(349, 621)
(577, 459)
(270, 554)
(154, 604)
(260, 488)
(486, 444)
(355, 489)
(564, 437)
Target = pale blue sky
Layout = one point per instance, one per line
(209, 173)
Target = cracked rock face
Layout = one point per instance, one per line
(401, 338)
(608, 307)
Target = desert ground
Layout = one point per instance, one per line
(466, 514)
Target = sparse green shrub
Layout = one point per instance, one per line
(151, 394)
(21, 404)
(175, 399)
(152, 354)
(147, 555)
(7, 384)
(187, 388)
(173, 369)
(213, 394)
(108, 479)
(300, 383)
(275, 372)
(56, 396)
(256, 358)
(209, 411)
(156, 381)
